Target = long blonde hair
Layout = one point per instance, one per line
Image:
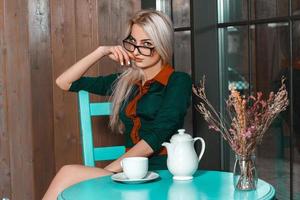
(159, 28)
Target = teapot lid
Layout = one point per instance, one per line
(181, 136)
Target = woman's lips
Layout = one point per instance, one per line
(138, 60)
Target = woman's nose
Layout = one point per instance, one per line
(136, 51)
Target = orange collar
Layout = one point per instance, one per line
(164, 75)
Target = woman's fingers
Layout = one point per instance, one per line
(119, 54)
(113, 54)
(125, 55)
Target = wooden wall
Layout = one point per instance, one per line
(39, 129)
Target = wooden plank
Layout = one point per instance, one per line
(41, 97)
(63, 34)
(19, 108)
(86, 40)
(5, 187)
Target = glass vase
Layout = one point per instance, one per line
(244, 173)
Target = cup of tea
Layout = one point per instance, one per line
(135, 167)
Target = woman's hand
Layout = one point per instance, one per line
(117, 53)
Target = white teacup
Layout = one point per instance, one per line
(135, 167)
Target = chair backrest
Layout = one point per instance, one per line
(87, 110)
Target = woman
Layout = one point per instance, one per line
(149, 100)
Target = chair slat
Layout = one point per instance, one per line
(99, 109)
(108, 153)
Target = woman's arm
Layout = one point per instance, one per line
(140, 149)
(116, 53)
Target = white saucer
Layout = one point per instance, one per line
(120, 177)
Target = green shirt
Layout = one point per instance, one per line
(154, 111)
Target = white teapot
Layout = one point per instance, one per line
(182, 159)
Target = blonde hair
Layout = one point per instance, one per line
(159, 28)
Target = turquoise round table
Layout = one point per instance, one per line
(205, 185)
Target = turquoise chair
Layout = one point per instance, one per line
(87, 110)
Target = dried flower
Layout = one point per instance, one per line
(249, 117)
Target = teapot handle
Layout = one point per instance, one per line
(202, 146)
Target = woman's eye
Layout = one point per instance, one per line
(131, 41)
(148, 44)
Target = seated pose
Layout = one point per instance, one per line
(149, 99)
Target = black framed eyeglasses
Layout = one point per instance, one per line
(145, 51)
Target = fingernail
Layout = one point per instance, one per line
(122, 63)
(128, 62)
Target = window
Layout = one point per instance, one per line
(257, 41)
